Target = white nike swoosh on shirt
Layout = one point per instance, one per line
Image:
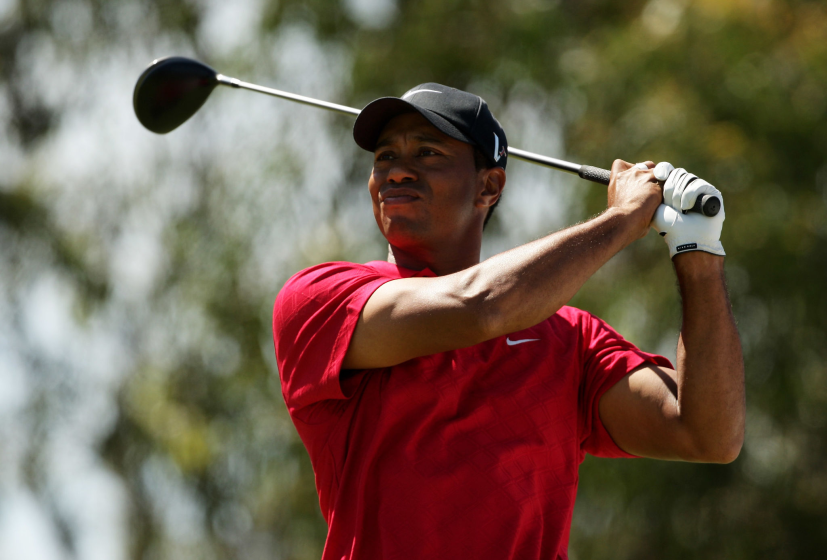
(516, 342)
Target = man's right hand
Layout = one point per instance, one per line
(636, 192)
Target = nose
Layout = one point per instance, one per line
(400, 172)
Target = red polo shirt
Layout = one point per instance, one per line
(471, 453)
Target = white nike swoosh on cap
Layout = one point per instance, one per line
(412, 93)
(516, 342)
(496, 147)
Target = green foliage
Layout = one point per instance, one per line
(733, 90)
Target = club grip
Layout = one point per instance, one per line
(595, 174)
(708, 205)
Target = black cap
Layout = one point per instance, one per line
(459, 114)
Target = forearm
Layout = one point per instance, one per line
(519, 288)
(710, 369)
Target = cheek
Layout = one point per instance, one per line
(373, 191)
(459, 195)
(373, 188)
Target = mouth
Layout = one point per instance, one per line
(398, 199)
(393, 197)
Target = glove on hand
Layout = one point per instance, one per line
(690, 231)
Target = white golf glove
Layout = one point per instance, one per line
(691, 231)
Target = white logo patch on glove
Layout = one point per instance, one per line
(686, 231)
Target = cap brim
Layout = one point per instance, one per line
(373, 118)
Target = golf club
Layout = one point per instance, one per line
(172, 89)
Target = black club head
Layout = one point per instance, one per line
(170, 91)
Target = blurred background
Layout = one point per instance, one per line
(140, 410)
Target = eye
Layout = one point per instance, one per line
(384, 156)
(428, 152)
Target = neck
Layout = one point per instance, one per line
(441, 259)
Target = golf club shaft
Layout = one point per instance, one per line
(588, 172)
(707, 205)
(235, 83)
(596, 174)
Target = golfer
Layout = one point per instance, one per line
(446, 403)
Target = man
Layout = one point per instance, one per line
(446, 403)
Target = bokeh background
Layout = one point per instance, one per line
(140, 409)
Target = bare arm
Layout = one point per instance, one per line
(512, 291)
(696, 413)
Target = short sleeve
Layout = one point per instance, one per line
(608, 358)
(313, 320)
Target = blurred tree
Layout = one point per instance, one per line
(175, 247)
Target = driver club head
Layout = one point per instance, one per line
(170, 91)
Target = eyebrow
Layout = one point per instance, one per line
(418, 137)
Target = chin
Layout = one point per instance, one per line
(405, 234)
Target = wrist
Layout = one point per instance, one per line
(698, 264)
(631, 223)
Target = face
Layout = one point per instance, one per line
(424, 185)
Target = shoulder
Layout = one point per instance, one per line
(323, 277)
(326, 282)
(573, 323)
(320, 272)
(572, 317)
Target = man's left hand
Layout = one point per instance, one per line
(690, 231)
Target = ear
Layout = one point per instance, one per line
(491, 187)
